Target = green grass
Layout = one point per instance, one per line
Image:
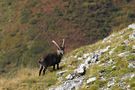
(28, 26)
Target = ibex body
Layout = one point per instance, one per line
(52, 59)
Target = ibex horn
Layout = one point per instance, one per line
(63, 43)
(56, 44)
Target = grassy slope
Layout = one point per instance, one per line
(27, 79)
(28, 26)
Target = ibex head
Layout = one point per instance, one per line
(60, 49)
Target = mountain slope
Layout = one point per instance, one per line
(28, 26)
(108, 64)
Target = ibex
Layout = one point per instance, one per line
(52, 59)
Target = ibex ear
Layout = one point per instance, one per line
(56, 44)
(63, 43)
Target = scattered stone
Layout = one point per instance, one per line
(102, 78)
(124, 86)
(113, 67)
(85, 55)
(126, 42)
(81, 69)
(111, 51)
(61, 73)
(95, 58)
(90, 80)
(124, 54)
(79, 58)
(111, 82)
(128, 76)
(131, 26)
(75, 56)
(132, 36)
(70, 84)
(88, 60)
(105, 49)
(110, 62)
(133, 47)
(70, 76)
(131, 65)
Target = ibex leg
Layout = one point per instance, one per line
(44, 70)
(57, 66)
(53, 67)
(41, 68)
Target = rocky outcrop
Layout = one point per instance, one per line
(75, 79)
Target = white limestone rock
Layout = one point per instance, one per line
(111, 82)
(124, 54)
(70, 76)
(131, 26)
(131, 65)
(128, 76)
(90, 80)
(60, 73)
(81, 69)
(70, 84)
(132, 36)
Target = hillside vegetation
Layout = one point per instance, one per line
(28, 26)
(108, 65)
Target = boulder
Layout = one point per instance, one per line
(70, 84)
(70, 76)
(124, 54)
(111, 82)
(132, 36)
(133, 47)
(81, 69)
(131, 26)
(131, 65)
(85, 55)
(90, 80)
(128, 76)
(88, 60)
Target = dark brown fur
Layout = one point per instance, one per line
(51, 59)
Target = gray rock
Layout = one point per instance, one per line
(88, 60)
(70, 84)
(131, 26)
(111, 51)
(81, 69)
(86, 55)
(60, 73)
(70, 76)
(79, 58)
(124, 86)
(111, 82)
(90, 80)
(108, 63)
(111, 62)
(126, 42)
(128, 76)
(124, 54)
(132, 36)
(133, 47)
(102, 78)
(95, 58)
(131, 65)
(113, 67)
(105, 49)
